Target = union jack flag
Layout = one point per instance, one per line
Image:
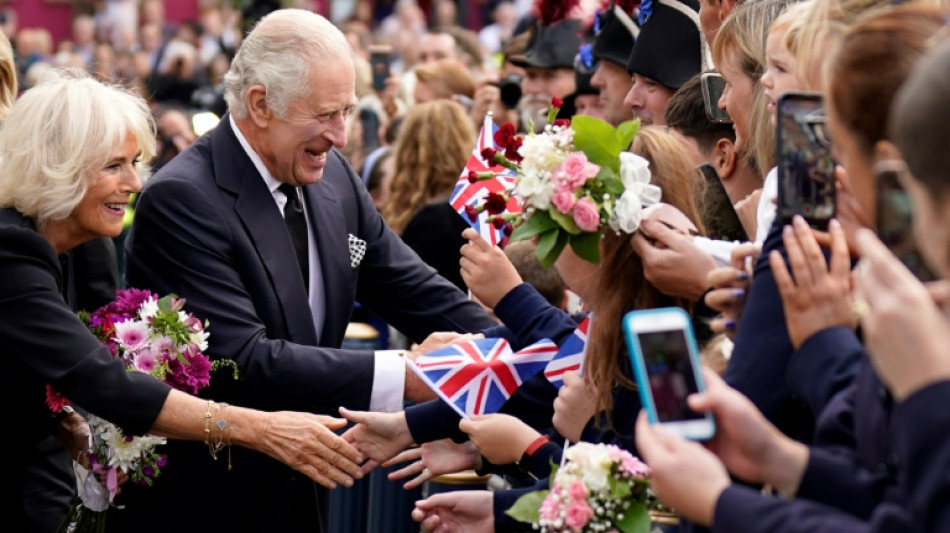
(478, 376)
(467, 193)
(571, 355)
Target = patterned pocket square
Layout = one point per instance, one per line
(357, 250)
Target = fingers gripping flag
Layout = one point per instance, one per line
(467, 193)
(477, 377)
(571, 355)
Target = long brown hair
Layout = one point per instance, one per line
(432, 148)
(621, 285)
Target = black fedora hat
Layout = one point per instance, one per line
(670, 48)
(553, 46)
(615, 32)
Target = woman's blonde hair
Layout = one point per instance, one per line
(433, 146)
(8, 81)
(744, 33)
(621, 283)
(446, 78)
(58, 135)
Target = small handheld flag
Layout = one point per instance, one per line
(477, 376)
(470, 194)
(571, 355)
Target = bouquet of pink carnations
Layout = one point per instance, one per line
(601, 488)
(151, 335)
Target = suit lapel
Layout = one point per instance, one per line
(254, 206)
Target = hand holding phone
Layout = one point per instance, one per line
(380, 57)
(665, 362)
(713, 85)
(806, 170)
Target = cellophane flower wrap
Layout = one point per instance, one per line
(151, 335)
(575, 180)
(600, 488)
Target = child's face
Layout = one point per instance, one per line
(780, 70)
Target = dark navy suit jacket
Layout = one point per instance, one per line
(206, 228)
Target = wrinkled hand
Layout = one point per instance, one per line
(73, 433)
(672, 263)
(730, 285)
(748, 444)
(307, 443)
(415, 389)
(575, 405)
(433, 459)
(904, 330)
(747, 209)
(486, 269)
(684, 475)
(378, 436)
(502, 439)
(461, 511)
(816, 295)
(487, 98)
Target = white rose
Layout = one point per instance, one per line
(627, 213)
(634, 170)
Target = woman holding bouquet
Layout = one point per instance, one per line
(70, 152)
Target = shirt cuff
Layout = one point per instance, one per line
(389, 381)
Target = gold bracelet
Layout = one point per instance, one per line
(208, 428)
(223, 427)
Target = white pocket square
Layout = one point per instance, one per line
(357, 250)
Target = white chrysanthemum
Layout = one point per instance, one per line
(149, 308)
(540, 153)
(123, 453)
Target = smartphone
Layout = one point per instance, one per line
(806, 170)
(895, 218)
(722, 222)
(369, 120)
(665, 361)
(713, 85)
(380, 57)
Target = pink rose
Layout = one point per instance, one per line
(576, 170)
(564, 201)
(578, 515)
(550, 508)
(577, 491)
(586, 216)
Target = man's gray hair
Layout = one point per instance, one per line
(279, 54)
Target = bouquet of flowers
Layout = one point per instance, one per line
(601, 488)
(151, 335)
(575, 180)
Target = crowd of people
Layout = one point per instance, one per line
(320, 188)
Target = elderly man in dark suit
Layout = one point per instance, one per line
(278, 292)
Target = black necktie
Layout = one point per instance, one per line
(297, 226)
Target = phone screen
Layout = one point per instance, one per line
(379, 60)
(670, 373)
(713, 85)
(895, 222)
(720, 218)
(806, 170)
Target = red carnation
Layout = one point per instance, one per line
(495, 203)
(565, 122)
(551, 11)
(488, 154)
(472, 176)
(471, 212)
(505, 136)
(509, 229)
(511, 152)
(557, 102)
(498, 222)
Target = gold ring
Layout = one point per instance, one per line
(860, 309)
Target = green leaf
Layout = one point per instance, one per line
(626, 132)
(165, 303)
(550, 246)
(597, 140)
(539, 222)
(565, 221)
(636, 519)
(526, 507)
(619, 489)
(587, 246)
